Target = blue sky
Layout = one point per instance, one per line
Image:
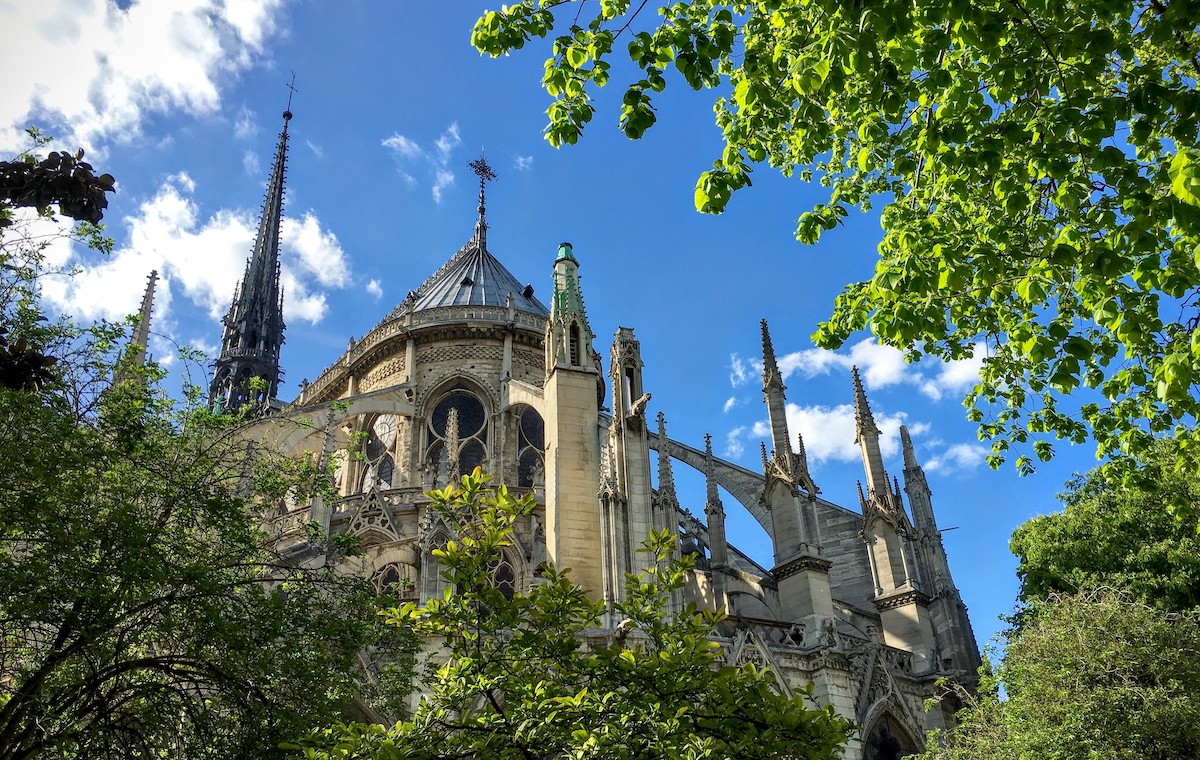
(181, 101)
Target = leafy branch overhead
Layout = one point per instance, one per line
(1037, 163)
(62, 179)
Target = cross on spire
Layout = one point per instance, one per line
(287, 112)
(486, 173)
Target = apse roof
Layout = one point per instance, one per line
(472, 277)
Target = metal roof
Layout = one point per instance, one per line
(472, 277)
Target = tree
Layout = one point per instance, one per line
(533, 675)
(1037, 161)
(1140, 540)
(142, 611)
(1101, 659)
(62, 182)
(1095, 675)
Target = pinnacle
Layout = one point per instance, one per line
(864, 420)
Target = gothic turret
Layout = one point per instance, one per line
(574, 386)
(253, 333)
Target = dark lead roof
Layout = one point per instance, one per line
(472, 277)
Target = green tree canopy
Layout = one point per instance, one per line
(142, 612)
(534, 675)
(1037, 161)
(1140, 540)
(1094, 675)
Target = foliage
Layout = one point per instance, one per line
(1141, 540)
(59, 181)
(141, 612)
(1096, 675)
(1037, 161)
(534, 675)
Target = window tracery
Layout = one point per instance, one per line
(458, 435)
(531, 449)
(377, 452)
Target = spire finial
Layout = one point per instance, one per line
(287, 112)
(486, 174)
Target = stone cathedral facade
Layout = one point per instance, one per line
(472, 369)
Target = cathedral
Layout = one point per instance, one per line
(473, 369)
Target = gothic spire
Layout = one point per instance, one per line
(771, 376)
(135, 353)
(710, 477)
(864, 421)
(917, 486)
(773, 389)
(254, 327)
(141, 331)
(666, 476)
(867, 437)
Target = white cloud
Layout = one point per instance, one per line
(444, 178)
(958, 457)
(375, 289)
(956, 377)
(829, 431)
(882, 366)
(734, 447)
(741, 371)
(730, 403)
(102, 69)
(448, 141)
(200, 259)
(318, 251)
(438, 159)
(402, 146)
(250, 163)
(245, 127)
(317, 150)
(523, 163)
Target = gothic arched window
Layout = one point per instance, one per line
(377, 452)
(574, 345)
(457, 436)
(887, 740)
(531, 449)
(395, 580)
(504, 577)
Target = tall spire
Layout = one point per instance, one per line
(253, 334)
(773, 389)
(486, 174)
(864, 421)
(141, 331)
(919, 495)
(710, 477)
(867, 437)
(771, 375)
(135, 353)
(715, 514)
(666, 476)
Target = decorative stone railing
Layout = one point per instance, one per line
(406, 323)
(344, 508)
